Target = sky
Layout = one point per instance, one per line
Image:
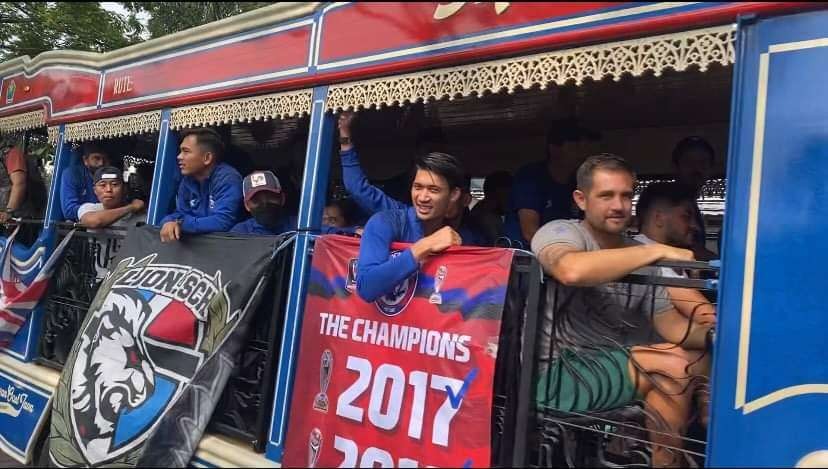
(117, 8)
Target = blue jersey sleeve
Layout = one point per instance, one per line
(377, 272)
(71, 187)
(227, 198)
(180, 203)
(526, 192)
(367, 196)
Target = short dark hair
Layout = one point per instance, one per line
(693, 142)
(495, 181)
(606, 161)
(90, 148)
(569, 130)
(207, 138)
(445, 165)
(671, 194)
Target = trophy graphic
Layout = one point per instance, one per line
(320, 403)
(314, 446)
(350, 284)
(436, 298)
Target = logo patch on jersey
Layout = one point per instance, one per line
(143, 343)
(193, 203)
(398, 299)
(211, 202)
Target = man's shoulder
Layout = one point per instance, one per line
(89, 207)
(534, 170)
(226, 172)
(569, 232)
(242, 227)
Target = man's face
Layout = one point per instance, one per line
(432, 197)
(693, 168)
(680, 225)
(95, 161)
(263, 199)
(333, 216)
(192, 157)
(455, 209)
(607, 205)
(110, 193)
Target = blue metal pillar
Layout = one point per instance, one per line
(167, 175)
(311, 205)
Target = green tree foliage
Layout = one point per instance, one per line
(29, 28)
(171, 17)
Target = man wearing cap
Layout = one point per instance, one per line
(77, 186)
(209, 196)
(265, 199)
(111, 210)
(542, 191)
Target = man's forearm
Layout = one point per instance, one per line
(16, 196)
(588, 269)
(103, 218)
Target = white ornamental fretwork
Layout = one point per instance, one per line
(21, 122)
(270, 106)
(679, 51)
(113, 127)
(445, 10)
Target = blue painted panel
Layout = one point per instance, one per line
(311, 205)
(167, 174)
(22, 411)
(770, 424)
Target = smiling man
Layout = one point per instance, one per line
(210, 195)
(436, 187)
(619, 340)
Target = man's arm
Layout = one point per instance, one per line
(367, 196)
(18, 190)
(228, 202)
(70, 189)
(377, 273)
(678, 329)
(529, 222)
(573, 267)
(693, 305)
(106, 217)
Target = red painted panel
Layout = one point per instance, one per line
(402, 25)
(267, 54)
(68, 89)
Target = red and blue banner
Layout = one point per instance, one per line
(24, 279)
(406, 381)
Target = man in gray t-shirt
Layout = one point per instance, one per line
(607, 344)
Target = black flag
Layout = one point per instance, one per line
(156, 349)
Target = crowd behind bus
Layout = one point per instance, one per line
(572, 210)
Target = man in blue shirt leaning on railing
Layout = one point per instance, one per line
(210, 194)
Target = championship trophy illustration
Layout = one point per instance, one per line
(314, 447)
(350, 284)
(436, 298)
(320, 403)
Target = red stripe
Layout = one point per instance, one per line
(10, 318)
(598, 34)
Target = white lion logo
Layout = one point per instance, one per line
(111, 373)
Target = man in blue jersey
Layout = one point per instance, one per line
(371, 199)
(265, 199)
(542, 191)
(210, 194)
(436, 186)
(77, 186)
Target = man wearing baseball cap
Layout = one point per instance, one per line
(111, 208)
(264, 198)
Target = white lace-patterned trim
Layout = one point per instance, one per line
(25, 121)
(678, 51)
(269, 106)
(113, 127)
(52, 133)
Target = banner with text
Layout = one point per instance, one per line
(405, 381)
